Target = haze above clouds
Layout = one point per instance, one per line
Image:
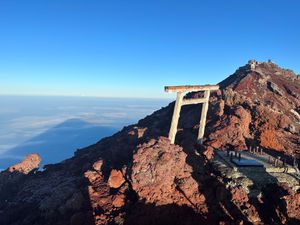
(55, 127)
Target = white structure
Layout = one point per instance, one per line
(180, 101)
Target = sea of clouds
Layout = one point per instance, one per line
(55, 127)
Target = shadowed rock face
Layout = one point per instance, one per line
(16, 173)
(15, 176)
(137, 177)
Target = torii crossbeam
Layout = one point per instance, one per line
(180, 101)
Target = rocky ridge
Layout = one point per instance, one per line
(259, 105)
(137, 177)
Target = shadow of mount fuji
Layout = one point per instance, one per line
(58, 143)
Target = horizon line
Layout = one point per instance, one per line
(85, 96)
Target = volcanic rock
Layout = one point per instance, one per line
(266, 96)
(137, 176)
(160, 175)
(14, 176)
(116, 179)
(98, 165)
(30, 163)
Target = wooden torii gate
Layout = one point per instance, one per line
(180, 101)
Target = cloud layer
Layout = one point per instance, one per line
(43, 124)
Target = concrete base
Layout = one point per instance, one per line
(254, 160)
(247, 162)
(254, 178)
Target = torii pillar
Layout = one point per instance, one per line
(180, 101)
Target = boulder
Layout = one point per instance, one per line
(31, 162)
(116, 179)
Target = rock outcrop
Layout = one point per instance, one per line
(15, 174)
(137, 177)
(159, 168)
(30, 163)
(260, 108)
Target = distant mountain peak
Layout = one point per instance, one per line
(258, 76)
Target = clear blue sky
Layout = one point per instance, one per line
(134, 48)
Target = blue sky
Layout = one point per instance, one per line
(134, 48)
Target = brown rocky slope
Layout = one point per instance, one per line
(137, 177)
(261, 102)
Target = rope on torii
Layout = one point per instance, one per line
(180, 101)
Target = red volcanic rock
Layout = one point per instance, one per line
(115, 179)
(98, 165)
(245, 119)
(119, 200)
(293, 205)
(260, 107)
(291, 199)
(282, 201)
(160, 175)
(13, 177)
(269, 139)
(99, 197)
(297, 198)
(231, 130)
(30, 163)
(239, 195)
(209, 152)
(163, 183)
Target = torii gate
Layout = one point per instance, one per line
(180, 101)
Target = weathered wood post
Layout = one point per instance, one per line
(175, 118)
(203, 116)
(180, 101)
